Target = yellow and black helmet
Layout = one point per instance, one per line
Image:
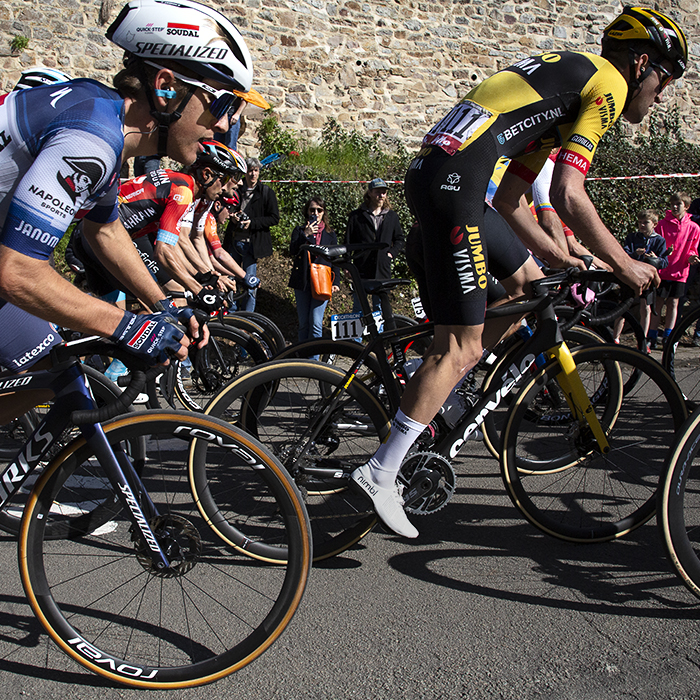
(640, 24)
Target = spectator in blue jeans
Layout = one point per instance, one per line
(248, 234)
(316, 230)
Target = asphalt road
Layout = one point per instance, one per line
(481, 605)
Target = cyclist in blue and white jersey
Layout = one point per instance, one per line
(61, 150)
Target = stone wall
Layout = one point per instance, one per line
(388, 66)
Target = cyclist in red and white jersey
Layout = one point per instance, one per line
(203, 231)
(155, 209)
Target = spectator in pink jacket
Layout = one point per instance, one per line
(682, 236)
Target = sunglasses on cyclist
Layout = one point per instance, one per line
(665, 76)
(224, 102)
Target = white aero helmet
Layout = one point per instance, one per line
(188, 33)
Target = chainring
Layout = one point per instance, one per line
(431, 474)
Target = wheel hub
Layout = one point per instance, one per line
(179, 540)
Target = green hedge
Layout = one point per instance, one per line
(658, 151)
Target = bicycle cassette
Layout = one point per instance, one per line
(429, 482)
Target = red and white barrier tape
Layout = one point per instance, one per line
(400, 182)
(643, 177)
(331, 182)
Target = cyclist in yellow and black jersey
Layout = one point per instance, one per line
(557, 99)
(560, 98)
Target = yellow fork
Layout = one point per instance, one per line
(576, 396)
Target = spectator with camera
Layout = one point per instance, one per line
(248, 235)
(317, 231)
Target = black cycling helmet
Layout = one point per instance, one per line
(644, 26)
(221, 159)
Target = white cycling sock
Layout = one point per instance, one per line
(386, 461)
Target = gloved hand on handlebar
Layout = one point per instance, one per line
(180, 314)
(152, 337)
(206, 299)
(207, 279)
(251, 281)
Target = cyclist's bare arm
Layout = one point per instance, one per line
(569, 198)
(577, 249)
(196, 238)
(551, 223)
(509, 201)
(192, 253)
(113, 247)
(222, 262)
(33, 285)
(228, 263)
(174, 261)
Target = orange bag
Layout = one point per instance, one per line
(321, 280)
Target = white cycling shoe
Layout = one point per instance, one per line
(387, 502)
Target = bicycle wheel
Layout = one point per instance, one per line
(228, 353)
(277, 403)
(273, 335)
(341, 354)
(680, 357)
(678, 510)
(249, 326)
(106, 605)
(495, 421)
(86, 520)
(551, 465)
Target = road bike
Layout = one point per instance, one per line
(581, 452)
(116, 561)
(681, 363)
(678, 510)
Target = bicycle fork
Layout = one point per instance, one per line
(576, 396)
(127, 484)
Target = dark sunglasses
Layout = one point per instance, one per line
(224, 101)
(665, 75)
(313, 210)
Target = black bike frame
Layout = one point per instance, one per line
(546, 336)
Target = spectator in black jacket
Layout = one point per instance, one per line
(248, 235)
(376, 222)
